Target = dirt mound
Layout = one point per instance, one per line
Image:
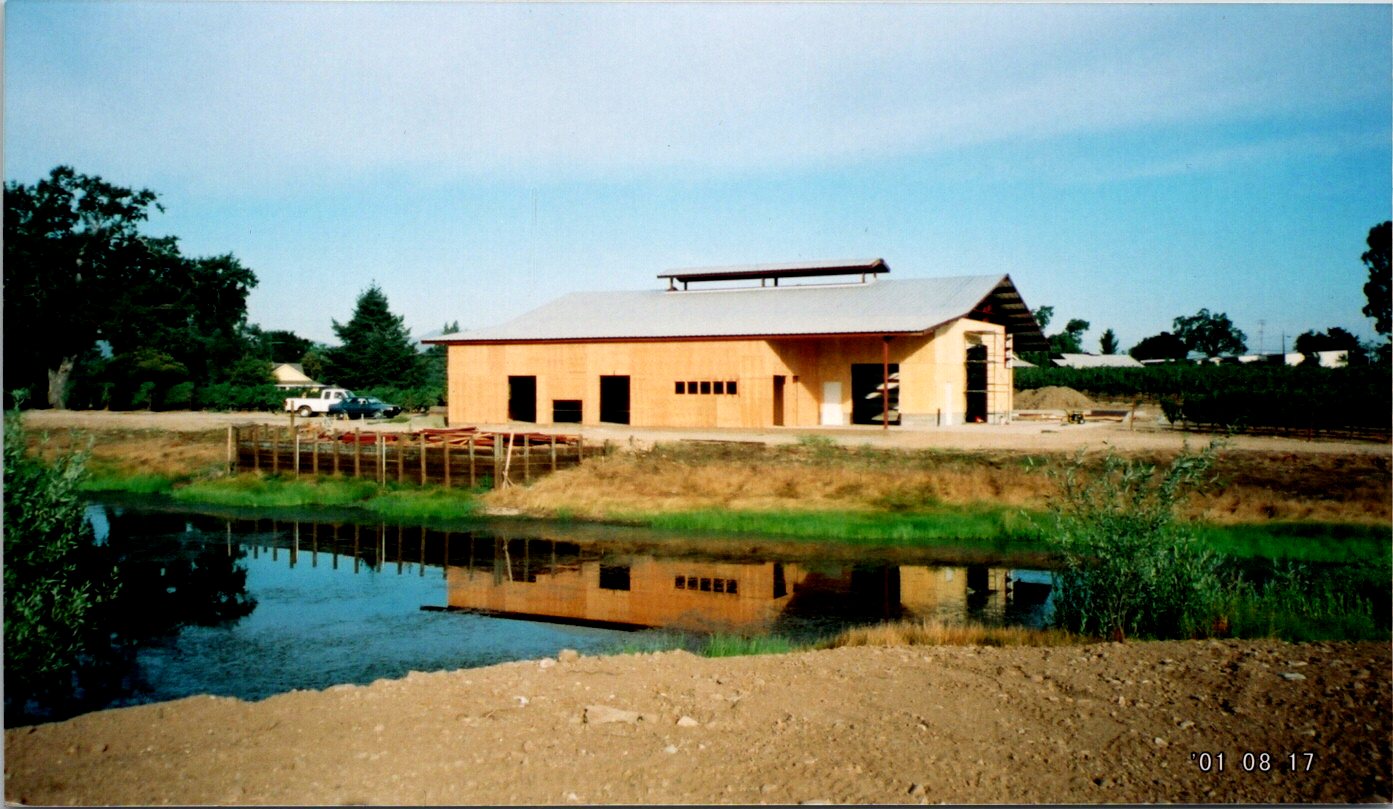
(1052, 398)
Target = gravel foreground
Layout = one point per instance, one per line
(1104, 723)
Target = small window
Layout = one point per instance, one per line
(614, 577)
(565, 411)
(730, 387)
(732, 586)
(718, 585)
(691, 387)
(681, 387)
(681, 581)
(706, 387)
(718, 388)
(705, 585)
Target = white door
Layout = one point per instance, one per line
(831, 404)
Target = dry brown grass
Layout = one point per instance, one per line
(139, 452)
(1252, 486)
(930, 632)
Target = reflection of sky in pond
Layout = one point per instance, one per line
(314, 627)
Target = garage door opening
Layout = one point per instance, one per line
(522, 398)
(614, 399)
(976, 384)
(868, 397)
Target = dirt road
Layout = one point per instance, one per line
(1024, 436)
(1104, 723)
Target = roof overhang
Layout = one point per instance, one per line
(1005, 307)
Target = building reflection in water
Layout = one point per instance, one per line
(602, 584)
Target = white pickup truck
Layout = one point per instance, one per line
(306, 406)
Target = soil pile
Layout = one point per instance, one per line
(1105, 723)
(1052, 397)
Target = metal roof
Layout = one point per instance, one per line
(902, 306)
(1096, 361)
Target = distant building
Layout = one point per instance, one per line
(291, 376)
(704, 353)
(1096, 361)
(1326, 359)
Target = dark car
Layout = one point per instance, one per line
(362, 407)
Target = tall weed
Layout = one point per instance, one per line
(1128, 567)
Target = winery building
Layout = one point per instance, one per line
(795, 345)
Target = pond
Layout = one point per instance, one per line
(251, 607)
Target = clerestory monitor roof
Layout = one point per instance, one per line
(874, 307)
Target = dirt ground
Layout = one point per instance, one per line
(1108, 723)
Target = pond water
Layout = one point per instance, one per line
(250, 607)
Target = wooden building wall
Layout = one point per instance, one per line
(932, 377)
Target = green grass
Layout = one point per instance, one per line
(998, 528)
(398, 502)
(720, 645)
(1004, 529)
(261, 491)
(716, 645)
(1302, 542)
(100, 481)
(404, 505)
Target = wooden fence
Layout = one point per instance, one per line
(449, 457)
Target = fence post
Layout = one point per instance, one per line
(580, 449)
(423, 458)
(256, 447)
(337, 444)
(526, 458)
(497, 460)
(445, 450)
(357, 453)
(231, 467)
(471, 462)
(381, 463)
(401, 461)
(314, 454)
(297, 448)
(553, 452)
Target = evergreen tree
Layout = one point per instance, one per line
(1108, 342)
(376, 348)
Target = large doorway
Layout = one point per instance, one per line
(522, 398)
(976, 384)
(614, 399)
(778, 400)
(868, 400)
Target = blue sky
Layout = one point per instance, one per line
(1125, 164)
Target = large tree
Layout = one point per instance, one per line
(376, 348)
(1376, 290)
(1210, 334)
(78, 270)
(1069, 341)
(1163, 346)
(70, 243)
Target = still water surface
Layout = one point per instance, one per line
(307, 605)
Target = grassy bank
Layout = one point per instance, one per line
(981, 526)
(397, 502)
